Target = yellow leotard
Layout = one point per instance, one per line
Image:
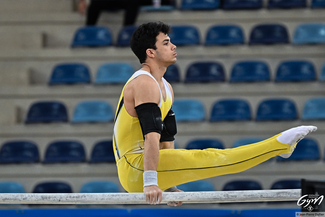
(178, 166)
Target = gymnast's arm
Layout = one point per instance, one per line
(151, 142)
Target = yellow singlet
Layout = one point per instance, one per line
(178, 166)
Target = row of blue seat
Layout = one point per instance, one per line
(243, 71)
(68, 151)
(62, 151)
(183, 35)
(112, 187)
(185, 109)
(247, 4)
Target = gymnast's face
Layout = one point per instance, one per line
(166, 50)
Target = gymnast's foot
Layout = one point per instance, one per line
(293, 136)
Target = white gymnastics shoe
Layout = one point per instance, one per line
(293, 136)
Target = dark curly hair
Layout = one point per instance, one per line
(145, 36)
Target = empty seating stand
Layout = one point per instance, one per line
(46, 112)
(113, 73)
(200, 185)
(246, 141)
(224, 35)
(242, 4)
(200, 4)
(99, 187)
(231, 110)
(289, 71)
(172, 74)
(272, 4)
(314, 109)
(269, 34)
(102, 152)
(19, 152)
(189, 110)
(239, 185)
(11, 187)
(276, 109)
(318, 4)
(310, 33)
(204, 144)
(250, 71)
(53, 187)
(124, 36)
(322, 74)
(92, 36)
(184, 35)
(287, 184)
(92, 111)
(70, 73)
(205, 72)
(65, 152)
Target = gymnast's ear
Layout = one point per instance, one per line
(150, 53)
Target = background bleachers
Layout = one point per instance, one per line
(35, 37)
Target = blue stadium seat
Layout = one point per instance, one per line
(322, 74)
(242, 4)
(241, 185)
(250, 71)
(276, 109)
(189, 110)
(168, 6)
(92, 36)
(287, 184)
(124, 36)
(204, 144)
(19, 152)
(114, 73)
(224, 35)
(246, 141)
(318, 4)
(311, 33)
(102, 152)
(11, 187)
(99, 187)
(306, 150)
(287, 4)
(205, 72)
(200, 4)
(200, 185)
(269, 34)
(44, 112)
(93, 111)
(172, 74)
(184, 35)
(52, 187)
(70, 73)
(295, 71)
(314, 109)
(231, 110)
(65, 152)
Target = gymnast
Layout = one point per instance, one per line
(145, 127)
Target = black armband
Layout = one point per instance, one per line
(149, 115)
(170, 128)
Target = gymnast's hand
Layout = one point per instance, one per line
(175, 203)
(153, 194)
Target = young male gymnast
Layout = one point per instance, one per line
(145, 127)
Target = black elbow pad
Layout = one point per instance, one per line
(149, 115)
(170, 127)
